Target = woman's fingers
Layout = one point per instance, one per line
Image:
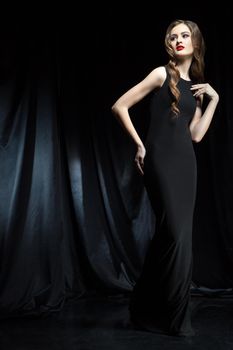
(197, 86)
(139, 159)
(140, 169)
(199, 92)
(199, 89)
(139, 164)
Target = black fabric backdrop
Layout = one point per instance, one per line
(75, 219)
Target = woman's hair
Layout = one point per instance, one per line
(197, 65)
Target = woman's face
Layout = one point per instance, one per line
(181, 42)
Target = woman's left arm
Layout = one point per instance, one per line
(201, 121)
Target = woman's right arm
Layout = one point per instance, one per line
(121, 107)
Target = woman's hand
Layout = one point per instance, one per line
(139, 158)
(201, 89)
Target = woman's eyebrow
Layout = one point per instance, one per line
(181, 33)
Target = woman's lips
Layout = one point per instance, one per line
(179, 48)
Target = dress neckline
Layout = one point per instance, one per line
(189, 81)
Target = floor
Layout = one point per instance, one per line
(102, 323)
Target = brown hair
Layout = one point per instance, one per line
(197, 65)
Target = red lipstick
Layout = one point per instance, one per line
(179, 47)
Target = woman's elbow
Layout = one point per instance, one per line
(196, 139)
(114, 108)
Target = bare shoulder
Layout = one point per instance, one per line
(158, 76)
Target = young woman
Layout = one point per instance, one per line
(160, 300)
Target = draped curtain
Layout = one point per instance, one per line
(75, 219)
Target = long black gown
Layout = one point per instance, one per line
(160, 300)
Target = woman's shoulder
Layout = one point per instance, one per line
(160, 73)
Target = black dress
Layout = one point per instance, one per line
(160, 300)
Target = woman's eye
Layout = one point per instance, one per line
(185, 35)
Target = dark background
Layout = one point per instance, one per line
(75, 219)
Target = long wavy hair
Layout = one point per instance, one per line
(197, 65)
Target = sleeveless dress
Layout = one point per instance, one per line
(160, 300)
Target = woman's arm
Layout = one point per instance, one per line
(120, 108)
(201, 122)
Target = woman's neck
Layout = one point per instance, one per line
(184, 67)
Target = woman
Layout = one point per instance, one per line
(160, 300)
